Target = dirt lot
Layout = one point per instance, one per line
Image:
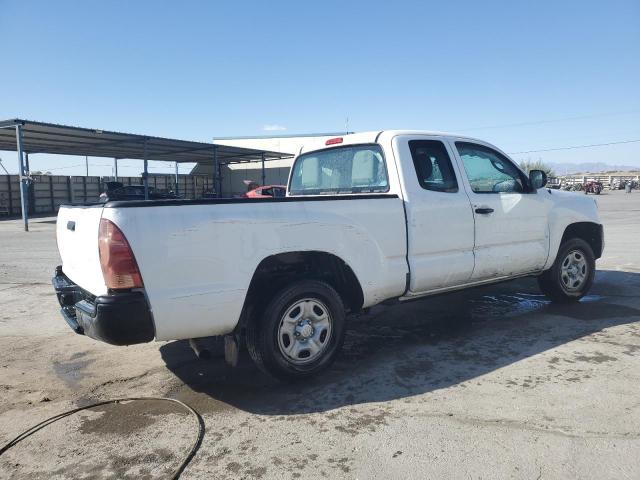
(491, 383)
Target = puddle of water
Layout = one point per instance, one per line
(590, 307)
(592, 298)
(493, 306)
(127, 417)
(71, 372)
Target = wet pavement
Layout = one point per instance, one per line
(494, 382)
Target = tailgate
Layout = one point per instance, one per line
(77, 235)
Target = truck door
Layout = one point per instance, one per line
(511, 226)
(439, 216)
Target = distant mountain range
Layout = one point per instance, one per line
(590, 167)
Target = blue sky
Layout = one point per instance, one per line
(542, 74)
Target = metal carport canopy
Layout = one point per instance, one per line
(29, 137)
(40, 137)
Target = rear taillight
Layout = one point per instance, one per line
(119, 266)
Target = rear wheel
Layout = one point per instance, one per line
(572, 273)
(299, 333)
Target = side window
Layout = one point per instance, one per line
(488, 171)
(433, 165)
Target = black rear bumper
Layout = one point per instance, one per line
(121, 318)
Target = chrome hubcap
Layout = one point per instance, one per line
(574, 271)
(304, 331)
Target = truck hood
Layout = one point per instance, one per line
(573, 205)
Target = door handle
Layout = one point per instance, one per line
(484, 210)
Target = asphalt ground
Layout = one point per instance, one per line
(494, 382)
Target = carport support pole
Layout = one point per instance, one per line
(177, 178)
(27, 173)
(263, 172)
(115, 167)
(216, 173)
(146, 172)
(23, 181)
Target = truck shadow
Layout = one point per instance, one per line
(414, 348)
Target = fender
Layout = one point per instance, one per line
(570, 211)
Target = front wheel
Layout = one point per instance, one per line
(572, 273)
(299, 333)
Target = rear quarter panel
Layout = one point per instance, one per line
(197, 260)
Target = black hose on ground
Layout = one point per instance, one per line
(55, 418)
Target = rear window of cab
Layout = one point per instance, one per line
(340, 170)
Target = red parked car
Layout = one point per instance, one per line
(592, 186)
(268, 191)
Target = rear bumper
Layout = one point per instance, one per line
(121, 318)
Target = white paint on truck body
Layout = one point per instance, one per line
(512, 240)
(197, 259)
(77, 237)
(439, 224)
(566, 208)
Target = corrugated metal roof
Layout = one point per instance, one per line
(40, 137)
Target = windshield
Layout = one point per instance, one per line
(352, 169)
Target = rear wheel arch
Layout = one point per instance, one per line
(278, 271)
(300, 331)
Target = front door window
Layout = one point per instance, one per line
(488, 171)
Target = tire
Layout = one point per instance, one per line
(572, 273)
(300, 332)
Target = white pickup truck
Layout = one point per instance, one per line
(368, 218)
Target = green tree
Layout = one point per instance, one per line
(528, 165)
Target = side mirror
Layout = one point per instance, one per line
(537, 178)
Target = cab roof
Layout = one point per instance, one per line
(373, 136)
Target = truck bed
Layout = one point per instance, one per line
(197, 257)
